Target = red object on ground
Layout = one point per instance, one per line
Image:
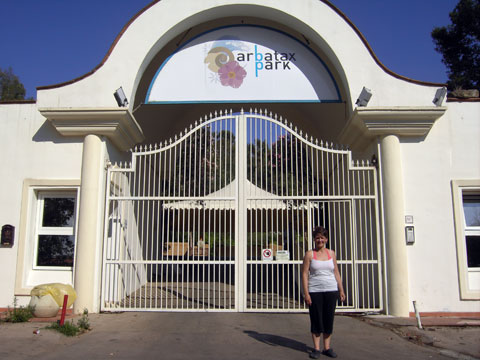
(64, 309)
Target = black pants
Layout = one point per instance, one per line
(322, 311)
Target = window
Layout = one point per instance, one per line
(466, 200)
(55, 230)
(471, 210)
(47, 233)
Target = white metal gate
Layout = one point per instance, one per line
(218, 219)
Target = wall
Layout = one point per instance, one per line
(450, 151)
(31, 149)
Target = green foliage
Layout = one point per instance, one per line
(19, 314)
(281, 168)
(459, 44)
(69, 328)
(205, 163)
(10, 86)
(263, 238)
(84, 322)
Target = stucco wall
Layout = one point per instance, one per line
(31, 149)
(450, 151)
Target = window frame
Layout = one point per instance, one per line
(40, 195)
(27, 276)
(459, 188)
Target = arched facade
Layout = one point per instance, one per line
(85, 110)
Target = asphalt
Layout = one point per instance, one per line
(149, 335)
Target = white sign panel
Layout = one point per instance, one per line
(282, 255)
(267, 254)
(243, 64)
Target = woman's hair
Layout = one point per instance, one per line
(320, 230)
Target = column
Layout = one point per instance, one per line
(241, 211)
(88, 224)
(396, 249)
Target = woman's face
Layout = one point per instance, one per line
(320, 241)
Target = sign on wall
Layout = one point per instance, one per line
(243, 64)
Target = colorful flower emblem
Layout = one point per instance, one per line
(221, 62)
(232, 74)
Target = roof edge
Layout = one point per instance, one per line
(326, 2)
(26, 101)
(372, 53)
(454, 99)
(107, 55)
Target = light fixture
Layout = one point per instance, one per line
(364, 97)
(439, 96)
(120, 97)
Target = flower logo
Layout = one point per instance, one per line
(232, 74)
(221, 61)
(217, 57)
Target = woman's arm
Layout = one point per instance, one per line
(338, 277)
(305, 269)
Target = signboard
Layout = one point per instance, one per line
(243, 64)
(282, 255)
(267, 254)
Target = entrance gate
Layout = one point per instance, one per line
(219, 218)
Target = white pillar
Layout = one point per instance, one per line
(241, 224)
(396, 250)
(88, 222)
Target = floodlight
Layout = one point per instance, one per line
(439, 96)
(364, 97)
(120, 97)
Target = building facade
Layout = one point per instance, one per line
(186, 171)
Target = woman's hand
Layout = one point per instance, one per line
(342, 295)
(308, 299)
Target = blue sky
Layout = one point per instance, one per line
(51, 41)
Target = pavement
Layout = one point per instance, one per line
(457, 337)
(175, 335)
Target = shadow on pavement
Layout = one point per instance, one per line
(275, 340)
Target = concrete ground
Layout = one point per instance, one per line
(239, 336)
(455, 336)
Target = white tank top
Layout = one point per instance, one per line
(322, 276)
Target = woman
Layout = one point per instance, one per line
(322, 286)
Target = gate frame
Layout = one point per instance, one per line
(241, 213)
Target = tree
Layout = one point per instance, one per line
(204, 162)
(459, 44)
(10, 86)
(282, 167)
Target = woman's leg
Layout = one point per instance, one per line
(316, 341)
(326, 341)
(316, 324)
(329, 305)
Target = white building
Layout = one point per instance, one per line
(192, 223)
